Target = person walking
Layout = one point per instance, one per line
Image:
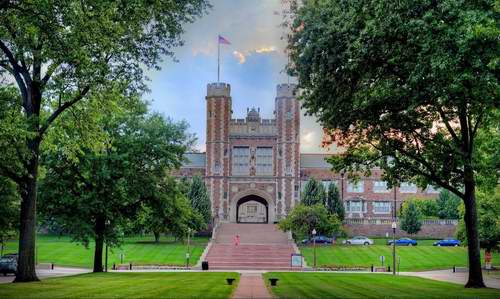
(236, 240)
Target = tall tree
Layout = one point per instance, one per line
(314, 193)
(94, 196)
(404, 86)
(447, 205)
(334, 203)
(410, 218)
(60, 52)
(199, 198)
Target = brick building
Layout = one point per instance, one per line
(255, 172)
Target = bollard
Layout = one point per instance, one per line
(388, 268)
(371, 268)
(274, 281)
(52, 266)
(454, 270)
(130, 266)
(114, 266)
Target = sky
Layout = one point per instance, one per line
(253, 64)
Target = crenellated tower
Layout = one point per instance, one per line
(287, 110)
(218, 101)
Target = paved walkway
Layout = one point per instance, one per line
(46, 273)
(491, 280)
(251, 286)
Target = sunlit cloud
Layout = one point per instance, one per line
(240, 56)
(266, 50)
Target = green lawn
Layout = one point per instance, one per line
(335, 285)
(416, 258)
(126, 285)
(139, 250)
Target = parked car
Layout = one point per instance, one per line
(403, 242)
(359, 240)
(8, 264)
(319, 240)
(447, 242)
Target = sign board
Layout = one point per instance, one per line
(296, 260)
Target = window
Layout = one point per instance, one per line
(408, 188)
(354, 206)
(356, 187)
(251, 209)
(380, 187)
(327, 183)
(431, 190)
(264, 162)
(241, 161)
(289, 115)
(381, 207)
(217, 168)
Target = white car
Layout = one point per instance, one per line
(359, 240)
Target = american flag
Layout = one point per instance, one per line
(223, 41)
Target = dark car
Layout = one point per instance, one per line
(8, 264)
(403, 242)
(447, 242)
(319, 240)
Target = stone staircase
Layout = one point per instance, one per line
(262, 247)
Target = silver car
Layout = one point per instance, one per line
(359, 240)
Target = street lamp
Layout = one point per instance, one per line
(187, 253)
(106, 258)
(394, 247)
(314, 246)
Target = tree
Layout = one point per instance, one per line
(303, 219)
(447, 205)
(488, 218)
(334, 202)
(314, 193)
(59, 53)
(96, 196)
(426, 207)
(410, 219)
(9, 209)
(402, 86)
(199, 198)
(169, 211)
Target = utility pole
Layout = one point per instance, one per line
(314, 246)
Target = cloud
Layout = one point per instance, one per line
(265, 50)
(240, 56)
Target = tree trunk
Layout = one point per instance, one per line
(99, 242)
(157, 237)
(27, 231)
(471, 227)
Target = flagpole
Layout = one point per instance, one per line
(218, 60)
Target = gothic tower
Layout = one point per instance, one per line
(217, 146)
(288, 148)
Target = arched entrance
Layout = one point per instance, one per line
(252, 209)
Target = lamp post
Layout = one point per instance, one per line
(187, 253)
(394, 224)
(106, 256)
(314, 247)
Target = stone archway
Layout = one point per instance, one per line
(263, 197)
(252, 209)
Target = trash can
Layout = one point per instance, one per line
(204, 265)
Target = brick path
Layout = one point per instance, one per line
(251, 286)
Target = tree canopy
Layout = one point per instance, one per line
(410, 218)
(200, 199)
(60, 53)
(314, 193)
(334, 203)
(403, 86)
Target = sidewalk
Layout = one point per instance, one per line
(491, 281)
(251, 286)
(46, 273)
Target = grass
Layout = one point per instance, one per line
(126, 285)
(412, 258)
(335, 285)
(137, 250)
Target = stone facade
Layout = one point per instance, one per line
(255, 161)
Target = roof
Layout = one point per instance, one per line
(314, 161)
(194, 160)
